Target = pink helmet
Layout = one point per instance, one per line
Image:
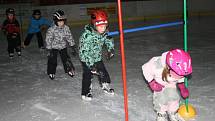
(179, 61)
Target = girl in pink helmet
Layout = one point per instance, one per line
(165, 75)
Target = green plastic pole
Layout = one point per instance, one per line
(185, 44)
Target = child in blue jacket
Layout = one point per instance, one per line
(34, 28)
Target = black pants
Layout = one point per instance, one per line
(14, 43)
(39, 39)
(52, 61)
(87, 76)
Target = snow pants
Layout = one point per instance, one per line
(39, 39)
(52, 61)
(87, 76)
(14, 43)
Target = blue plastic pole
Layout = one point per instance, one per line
(147, 27)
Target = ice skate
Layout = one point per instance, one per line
(51, 76)
(19, 54)
(107, 89)
(175, 117)
(71, 73)
(42, 49)
(87, 97)
(162, 117)
(11, 55)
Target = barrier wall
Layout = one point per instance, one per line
(137, 10)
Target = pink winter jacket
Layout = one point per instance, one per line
(153, 70)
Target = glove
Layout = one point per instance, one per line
(49, 53)
(110, 54)
(155, 86)
(183, 90)
(74, 52)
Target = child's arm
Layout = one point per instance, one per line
(49, 37)
(45, 22)
(71, 42)
(3, 27)
(85, 49)
(149, 76)
(69, 38)
(17, 27)
(109, 42)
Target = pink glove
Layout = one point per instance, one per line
(155, 86)
(183, 90)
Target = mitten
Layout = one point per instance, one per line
(110, 54)
(183, 90)
(49, 53)
(155, 86)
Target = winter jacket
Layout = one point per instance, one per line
(153, 70)
(11, 27)
(57, 38)
(91, 43)
(35, 24)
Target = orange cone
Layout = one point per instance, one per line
(187, 115)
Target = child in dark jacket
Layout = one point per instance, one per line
(36, 22)
(57, 38)
(90, 51)
(11, 29)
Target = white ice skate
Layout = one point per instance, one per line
(11, 55)
(107, 89)
(175, 117)
(51, 76)
(161, 117)
(87, 97)
(19, 54)
(71, 73)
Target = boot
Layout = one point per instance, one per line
(175, 117)
(107, 89)
(51, 76)
(161, 117)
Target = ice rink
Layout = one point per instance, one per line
(27, 94)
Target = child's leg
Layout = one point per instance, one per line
(159, 106)
(52, 62)
(67, 63)
(10, 47)
(40, 40)
(103, 74)
(86, 81)
(28, 39)
(104, 78)
(18, 45)
(172, 111)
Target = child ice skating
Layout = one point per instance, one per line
(57, 38)
(11, 29)
(90, 51)
(164, 74)
(36, 22)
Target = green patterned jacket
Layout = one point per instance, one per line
(91, 44)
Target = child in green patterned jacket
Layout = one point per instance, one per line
(90, 51)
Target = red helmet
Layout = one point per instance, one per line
(99, 17)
